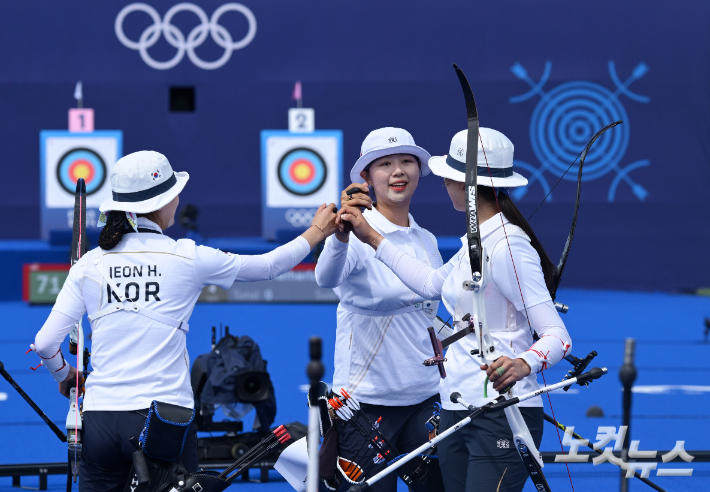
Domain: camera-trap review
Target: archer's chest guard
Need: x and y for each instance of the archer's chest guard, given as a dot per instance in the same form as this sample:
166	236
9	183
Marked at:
501	315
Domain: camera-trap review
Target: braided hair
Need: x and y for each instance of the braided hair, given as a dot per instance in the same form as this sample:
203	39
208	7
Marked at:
116	226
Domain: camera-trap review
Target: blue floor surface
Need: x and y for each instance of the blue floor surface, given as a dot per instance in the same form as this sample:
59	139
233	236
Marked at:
670	402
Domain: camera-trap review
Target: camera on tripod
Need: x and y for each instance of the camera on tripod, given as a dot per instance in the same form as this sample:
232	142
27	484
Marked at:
233	374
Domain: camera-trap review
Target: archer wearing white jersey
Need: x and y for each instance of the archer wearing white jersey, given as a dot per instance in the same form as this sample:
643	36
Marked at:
482	455
381	334
139	288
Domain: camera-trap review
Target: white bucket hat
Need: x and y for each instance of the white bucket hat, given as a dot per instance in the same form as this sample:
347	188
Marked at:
143	182
498	153
388	141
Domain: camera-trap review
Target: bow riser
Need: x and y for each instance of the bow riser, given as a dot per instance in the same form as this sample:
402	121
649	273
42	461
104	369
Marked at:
487	349
479	270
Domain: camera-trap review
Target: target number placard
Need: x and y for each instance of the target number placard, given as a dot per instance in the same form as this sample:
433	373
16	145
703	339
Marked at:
81	120
299	173
301	120
64	158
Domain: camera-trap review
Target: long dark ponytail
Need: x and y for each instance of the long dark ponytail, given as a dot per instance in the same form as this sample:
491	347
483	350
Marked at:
514	216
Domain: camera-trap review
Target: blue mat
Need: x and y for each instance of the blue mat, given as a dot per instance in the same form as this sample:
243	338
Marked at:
670	400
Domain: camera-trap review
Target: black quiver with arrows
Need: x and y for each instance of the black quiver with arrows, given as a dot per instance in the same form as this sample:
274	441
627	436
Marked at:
421	474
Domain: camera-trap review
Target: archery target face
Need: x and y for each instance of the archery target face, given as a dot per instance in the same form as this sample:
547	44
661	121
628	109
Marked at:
81	163
301	171
68	158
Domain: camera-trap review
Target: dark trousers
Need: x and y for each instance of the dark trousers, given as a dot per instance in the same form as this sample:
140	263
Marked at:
477	456
106	455
403	427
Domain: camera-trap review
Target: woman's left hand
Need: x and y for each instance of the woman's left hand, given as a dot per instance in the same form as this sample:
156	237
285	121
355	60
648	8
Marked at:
514	371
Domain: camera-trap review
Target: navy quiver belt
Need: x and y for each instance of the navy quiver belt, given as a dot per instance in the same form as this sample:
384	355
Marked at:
165	430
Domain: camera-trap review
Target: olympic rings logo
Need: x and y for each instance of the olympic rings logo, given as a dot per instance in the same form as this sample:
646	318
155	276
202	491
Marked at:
176	38
299	217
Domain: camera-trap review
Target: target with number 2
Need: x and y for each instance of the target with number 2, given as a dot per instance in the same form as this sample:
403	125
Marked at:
299	172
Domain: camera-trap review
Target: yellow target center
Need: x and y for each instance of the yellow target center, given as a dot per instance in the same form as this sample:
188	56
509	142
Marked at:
302	172
82	171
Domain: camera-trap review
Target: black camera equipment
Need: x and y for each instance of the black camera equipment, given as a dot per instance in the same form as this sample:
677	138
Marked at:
234	372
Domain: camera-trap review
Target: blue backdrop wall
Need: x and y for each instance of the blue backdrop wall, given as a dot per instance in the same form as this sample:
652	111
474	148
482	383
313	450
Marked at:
547	74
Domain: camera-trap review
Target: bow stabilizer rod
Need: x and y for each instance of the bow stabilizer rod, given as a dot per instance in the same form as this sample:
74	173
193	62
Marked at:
495	405
62	437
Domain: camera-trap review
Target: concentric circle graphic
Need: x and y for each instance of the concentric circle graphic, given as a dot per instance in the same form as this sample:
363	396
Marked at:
81	163
564	121
302	171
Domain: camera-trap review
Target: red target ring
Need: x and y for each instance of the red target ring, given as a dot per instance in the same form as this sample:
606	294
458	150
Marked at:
302	171
81	168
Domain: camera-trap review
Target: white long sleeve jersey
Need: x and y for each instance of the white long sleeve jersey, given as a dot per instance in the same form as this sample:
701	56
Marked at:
381	338
136	359
506	303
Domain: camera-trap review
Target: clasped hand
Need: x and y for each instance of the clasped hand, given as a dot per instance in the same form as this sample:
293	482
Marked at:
350	213
325	219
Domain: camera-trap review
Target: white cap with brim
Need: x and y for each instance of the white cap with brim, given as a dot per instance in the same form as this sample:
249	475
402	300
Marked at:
495	160
388	141
143	182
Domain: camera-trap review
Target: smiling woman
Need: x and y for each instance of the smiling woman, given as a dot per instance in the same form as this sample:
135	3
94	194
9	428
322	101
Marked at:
394	178
382	335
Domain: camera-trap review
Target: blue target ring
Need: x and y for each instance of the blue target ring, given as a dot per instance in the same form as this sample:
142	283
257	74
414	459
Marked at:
564	121
81	163
302	171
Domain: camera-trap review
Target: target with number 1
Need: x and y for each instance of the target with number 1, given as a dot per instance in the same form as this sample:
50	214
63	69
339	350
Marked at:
65	157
